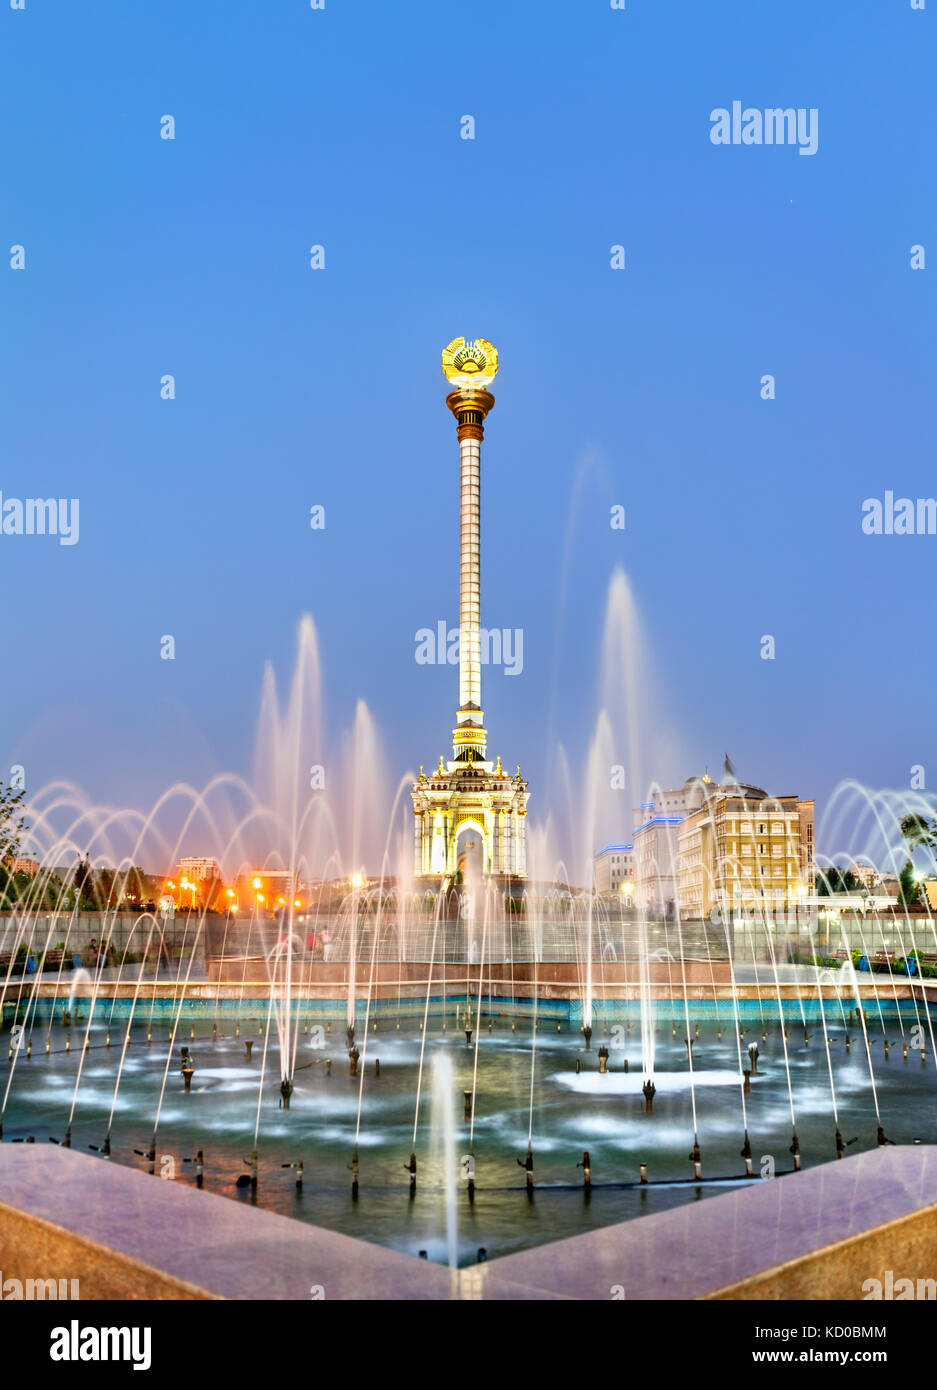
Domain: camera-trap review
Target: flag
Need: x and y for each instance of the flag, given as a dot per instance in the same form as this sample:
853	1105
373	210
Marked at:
730	770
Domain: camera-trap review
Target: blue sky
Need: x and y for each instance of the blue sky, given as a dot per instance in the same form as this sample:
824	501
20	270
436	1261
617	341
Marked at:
295	387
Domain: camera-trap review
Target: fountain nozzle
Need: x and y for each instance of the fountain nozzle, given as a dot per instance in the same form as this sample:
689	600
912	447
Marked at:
298	1169
353	1169
187	1073
649	1090
249	1047
585	1163
603	1060
795	1150
587	1034
527	1163
411	1169
840	1144
468	1037
746	1152
753	1054
695	1158
286	1090
353	1056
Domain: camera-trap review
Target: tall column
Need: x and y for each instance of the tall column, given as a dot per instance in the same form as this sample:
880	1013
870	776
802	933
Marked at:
470	673
470	406
470	366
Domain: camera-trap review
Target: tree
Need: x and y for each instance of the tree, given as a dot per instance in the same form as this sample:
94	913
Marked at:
909	888
12	821
835	880
918	830
84	883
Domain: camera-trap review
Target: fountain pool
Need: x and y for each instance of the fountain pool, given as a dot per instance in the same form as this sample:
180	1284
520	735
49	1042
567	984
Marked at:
525	1084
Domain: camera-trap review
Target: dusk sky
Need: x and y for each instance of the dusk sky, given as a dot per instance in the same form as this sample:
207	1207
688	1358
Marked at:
639	387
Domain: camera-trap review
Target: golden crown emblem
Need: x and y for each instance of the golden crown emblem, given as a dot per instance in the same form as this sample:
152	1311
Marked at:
470	362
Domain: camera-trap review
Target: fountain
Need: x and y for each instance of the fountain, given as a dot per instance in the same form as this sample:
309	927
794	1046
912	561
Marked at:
517	946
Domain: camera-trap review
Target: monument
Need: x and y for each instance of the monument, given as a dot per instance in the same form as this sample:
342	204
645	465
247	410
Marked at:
469	792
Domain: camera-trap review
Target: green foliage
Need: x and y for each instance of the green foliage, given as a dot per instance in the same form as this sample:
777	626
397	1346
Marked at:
909	889
836	881
918	830
12	820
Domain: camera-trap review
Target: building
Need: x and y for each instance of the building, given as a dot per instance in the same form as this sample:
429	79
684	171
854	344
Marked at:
24	866
197	869
743	849
469	795
613	870
656	853
868	876
267	889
